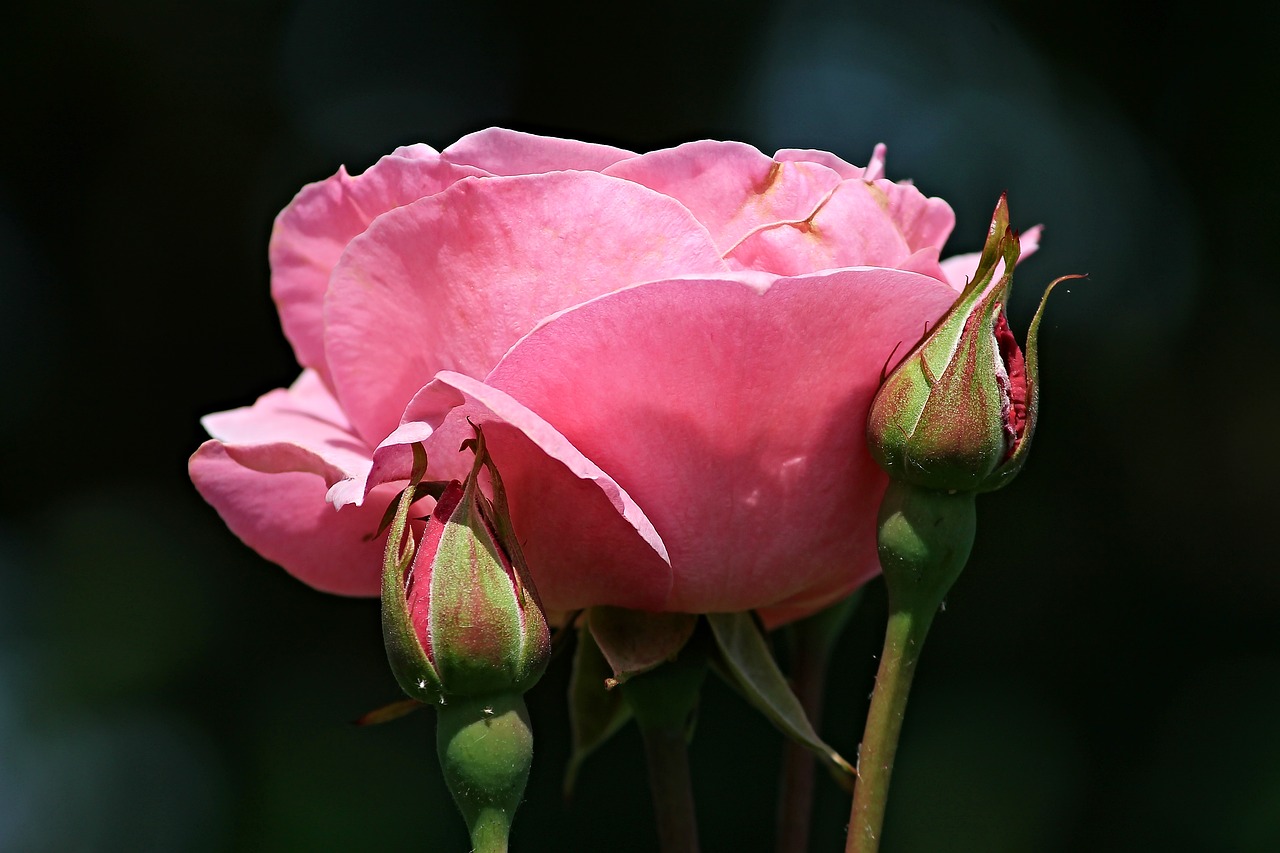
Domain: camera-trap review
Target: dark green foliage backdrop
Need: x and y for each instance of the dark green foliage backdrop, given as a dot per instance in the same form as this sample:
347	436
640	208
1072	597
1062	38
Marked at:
1106	674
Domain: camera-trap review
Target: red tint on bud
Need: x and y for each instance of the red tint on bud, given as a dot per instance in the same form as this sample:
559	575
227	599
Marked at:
1015	419
460	614
958	413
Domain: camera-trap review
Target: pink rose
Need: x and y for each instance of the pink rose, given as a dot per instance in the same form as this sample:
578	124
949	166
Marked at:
673	355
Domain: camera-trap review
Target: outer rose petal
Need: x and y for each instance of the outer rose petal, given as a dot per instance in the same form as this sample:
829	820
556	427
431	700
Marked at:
734	417
874	169
311	233
452	281
301	429
554	491
861	224
731	187
284	517
510	152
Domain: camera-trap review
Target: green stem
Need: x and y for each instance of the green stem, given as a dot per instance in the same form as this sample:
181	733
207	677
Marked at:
903	641
924	540
663	701
490	831
485	747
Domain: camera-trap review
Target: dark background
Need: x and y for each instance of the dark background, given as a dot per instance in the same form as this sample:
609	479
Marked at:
1106	676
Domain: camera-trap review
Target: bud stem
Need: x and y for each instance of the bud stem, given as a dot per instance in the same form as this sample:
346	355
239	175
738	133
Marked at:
486	747
663	701
924	537
667	756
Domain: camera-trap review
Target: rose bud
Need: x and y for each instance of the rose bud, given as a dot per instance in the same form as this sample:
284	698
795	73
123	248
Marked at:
465	631
464	620
958	413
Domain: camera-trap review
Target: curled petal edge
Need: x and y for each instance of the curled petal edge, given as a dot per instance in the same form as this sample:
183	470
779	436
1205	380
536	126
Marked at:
427	420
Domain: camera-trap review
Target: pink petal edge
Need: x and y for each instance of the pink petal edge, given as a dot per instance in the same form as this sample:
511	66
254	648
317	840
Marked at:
511	152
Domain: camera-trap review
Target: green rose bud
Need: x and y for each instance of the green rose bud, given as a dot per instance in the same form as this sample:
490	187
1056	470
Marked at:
958	413
460	615
465	632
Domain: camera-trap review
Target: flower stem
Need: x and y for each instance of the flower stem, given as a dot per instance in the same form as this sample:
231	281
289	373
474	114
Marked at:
672	788
663	701
924	539
485	748
490	831
812	641
903	641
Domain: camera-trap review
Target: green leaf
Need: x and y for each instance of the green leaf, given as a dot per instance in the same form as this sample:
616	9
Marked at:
748	665
596	713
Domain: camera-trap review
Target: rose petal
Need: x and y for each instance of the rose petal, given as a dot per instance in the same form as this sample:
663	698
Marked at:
510	152
300	429
284	517
861	224
452	281
311	233
554	492
731	187
875	169
734	416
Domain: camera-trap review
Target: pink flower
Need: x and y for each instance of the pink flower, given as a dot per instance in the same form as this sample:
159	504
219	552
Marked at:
672	354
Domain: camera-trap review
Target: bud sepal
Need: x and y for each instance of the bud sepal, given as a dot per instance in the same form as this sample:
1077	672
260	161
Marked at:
959	411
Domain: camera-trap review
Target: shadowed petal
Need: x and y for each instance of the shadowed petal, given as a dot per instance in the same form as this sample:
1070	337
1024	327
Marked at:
584	538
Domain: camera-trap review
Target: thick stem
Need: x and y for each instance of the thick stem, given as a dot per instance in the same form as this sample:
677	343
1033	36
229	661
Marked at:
490	831
672	788
903	641
485	747
663	701
924	542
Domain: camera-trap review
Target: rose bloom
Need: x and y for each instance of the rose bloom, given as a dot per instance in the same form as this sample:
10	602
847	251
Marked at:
672	356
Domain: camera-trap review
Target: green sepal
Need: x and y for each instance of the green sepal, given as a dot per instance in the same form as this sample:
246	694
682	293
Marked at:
748	665
488	632
596	712
431	488
665	697
413	670
938	419
1006	472
635	641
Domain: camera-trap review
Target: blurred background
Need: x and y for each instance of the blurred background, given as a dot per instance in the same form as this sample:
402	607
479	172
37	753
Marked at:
1106	676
